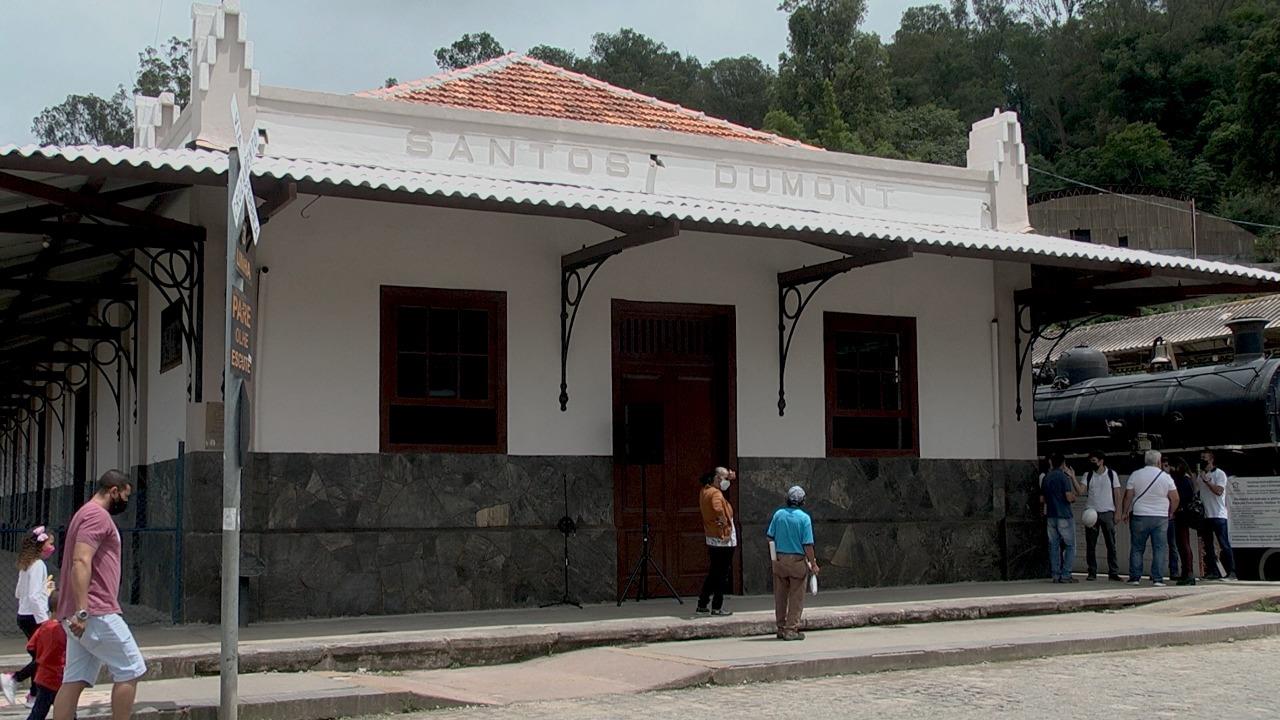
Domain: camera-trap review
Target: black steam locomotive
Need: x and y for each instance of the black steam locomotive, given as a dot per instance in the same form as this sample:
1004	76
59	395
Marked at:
1231	408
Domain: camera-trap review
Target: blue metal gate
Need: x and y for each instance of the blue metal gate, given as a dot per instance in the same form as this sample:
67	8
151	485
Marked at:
151	542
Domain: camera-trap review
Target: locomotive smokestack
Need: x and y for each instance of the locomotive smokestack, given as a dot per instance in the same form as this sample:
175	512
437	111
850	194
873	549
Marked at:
1248	335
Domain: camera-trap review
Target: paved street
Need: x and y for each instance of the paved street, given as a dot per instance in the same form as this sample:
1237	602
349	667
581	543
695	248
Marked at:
1229	680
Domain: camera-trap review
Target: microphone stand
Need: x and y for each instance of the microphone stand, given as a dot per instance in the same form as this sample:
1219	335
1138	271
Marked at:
567	527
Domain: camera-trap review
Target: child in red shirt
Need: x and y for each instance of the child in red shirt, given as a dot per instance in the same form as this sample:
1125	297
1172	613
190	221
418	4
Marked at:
48	644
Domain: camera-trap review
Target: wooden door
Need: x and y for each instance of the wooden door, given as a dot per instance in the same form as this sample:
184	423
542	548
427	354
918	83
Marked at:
673	420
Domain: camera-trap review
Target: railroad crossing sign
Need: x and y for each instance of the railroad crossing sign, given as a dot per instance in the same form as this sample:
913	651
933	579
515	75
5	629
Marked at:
242	202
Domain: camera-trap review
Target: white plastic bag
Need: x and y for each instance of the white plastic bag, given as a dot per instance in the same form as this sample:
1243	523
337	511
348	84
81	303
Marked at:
773	551
813	584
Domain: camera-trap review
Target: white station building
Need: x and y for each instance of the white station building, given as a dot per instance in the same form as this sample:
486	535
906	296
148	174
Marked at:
477	290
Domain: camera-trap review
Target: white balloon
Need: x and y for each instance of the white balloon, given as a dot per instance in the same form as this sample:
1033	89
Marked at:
1090	517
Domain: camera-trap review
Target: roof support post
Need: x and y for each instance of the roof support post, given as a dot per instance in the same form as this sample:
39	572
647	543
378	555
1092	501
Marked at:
793	298
573	283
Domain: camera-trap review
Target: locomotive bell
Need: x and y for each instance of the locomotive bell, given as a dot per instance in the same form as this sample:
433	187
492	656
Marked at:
1161	359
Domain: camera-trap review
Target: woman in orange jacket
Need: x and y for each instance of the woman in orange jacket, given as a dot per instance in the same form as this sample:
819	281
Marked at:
722	538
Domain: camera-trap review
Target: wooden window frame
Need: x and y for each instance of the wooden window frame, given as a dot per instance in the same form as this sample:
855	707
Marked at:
905	329
394	297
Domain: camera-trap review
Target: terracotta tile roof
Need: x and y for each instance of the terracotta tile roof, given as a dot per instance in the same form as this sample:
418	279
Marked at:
527	86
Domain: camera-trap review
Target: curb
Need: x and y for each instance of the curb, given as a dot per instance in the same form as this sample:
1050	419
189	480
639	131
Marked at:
435	649
952	657
295	706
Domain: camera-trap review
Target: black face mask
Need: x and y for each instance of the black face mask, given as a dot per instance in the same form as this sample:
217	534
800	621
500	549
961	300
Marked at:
117	505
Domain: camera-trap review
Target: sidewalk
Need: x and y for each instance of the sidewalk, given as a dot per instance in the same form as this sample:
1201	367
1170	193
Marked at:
634	668
415	642
158	635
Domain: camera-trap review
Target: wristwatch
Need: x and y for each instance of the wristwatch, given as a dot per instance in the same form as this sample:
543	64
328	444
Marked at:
82	615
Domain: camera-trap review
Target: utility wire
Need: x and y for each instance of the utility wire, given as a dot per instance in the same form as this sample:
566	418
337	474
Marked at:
159	14
1144	201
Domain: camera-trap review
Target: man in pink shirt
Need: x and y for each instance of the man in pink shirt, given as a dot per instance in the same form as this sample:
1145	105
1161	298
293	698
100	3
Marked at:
88	608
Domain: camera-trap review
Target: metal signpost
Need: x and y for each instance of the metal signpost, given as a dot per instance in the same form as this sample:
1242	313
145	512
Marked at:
236	370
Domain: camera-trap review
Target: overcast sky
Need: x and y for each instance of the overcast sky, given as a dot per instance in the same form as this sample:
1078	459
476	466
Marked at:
52	48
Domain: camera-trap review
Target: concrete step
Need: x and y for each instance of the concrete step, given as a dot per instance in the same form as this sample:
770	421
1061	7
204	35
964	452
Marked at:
262	697
1224	597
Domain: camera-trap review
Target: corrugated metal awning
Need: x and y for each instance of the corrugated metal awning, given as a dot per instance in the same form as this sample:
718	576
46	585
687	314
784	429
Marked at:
207	167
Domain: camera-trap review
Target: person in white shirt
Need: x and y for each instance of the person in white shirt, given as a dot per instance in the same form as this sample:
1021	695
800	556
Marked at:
1150	498
1103	493
1211	481
32	592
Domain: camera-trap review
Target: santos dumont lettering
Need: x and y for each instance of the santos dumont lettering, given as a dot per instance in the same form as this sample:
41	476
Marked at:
501	152
719	177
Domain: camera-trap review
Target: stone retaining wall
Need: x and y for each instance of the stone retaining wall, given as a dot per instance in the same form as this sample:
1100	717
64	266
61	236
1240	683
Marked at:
368	534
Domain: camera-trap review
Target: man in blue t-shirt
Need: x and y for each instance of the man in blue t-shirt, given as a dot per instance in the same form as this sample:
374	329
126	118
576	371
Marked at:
1058	491
791	532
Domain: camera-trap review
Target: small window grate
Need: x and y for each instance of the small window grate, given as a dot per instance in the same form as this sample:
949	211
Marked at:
671	337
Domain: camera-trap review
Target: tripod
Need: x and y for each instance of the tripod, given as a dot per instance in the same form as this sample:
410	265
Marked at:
567	527
646	558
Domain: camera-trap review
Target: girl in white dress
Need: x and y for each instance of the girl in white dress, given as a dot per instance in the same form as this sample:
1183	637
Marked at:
32	591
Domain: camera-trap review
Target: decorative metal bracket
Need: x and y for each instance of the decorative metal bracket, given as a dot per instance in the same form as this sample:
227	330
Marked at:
572	287
1027	324
178	274
573	283
793	298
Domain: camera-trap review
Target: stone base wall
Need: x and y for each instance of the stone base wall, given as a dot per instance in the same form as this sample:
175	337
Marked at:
368	534
900	521
374	534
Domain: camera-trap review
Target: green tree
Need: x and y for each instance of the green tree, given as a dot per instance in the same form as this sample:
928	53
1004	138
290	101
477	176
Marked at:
555	56
167	69
737	89
1259	94
829	127
1137	155
637	62
86	120
928	133
1256	205
468	50
97	120
781	123
821	36
834	71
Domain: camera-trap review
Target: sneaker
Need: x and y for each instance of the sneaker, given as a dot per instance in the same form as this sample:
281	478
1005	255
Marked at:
702	610
10	688
1114	576
782	636
1157	583
1070	580
1091	576
722	613
31	700
1231	577
1187	581
1135	582
794	636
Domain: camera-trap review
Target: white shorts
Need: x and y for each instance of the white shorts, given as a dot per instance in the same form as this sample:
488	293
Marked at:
106	641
